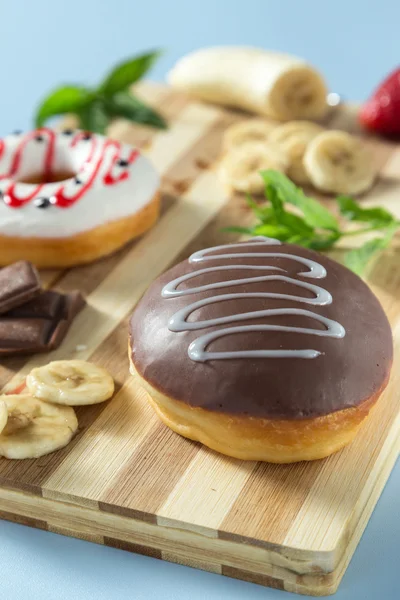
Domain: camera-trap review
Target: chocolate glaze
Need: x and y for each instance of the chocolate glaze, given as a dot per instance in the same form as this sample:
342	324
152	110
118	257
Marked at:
347	372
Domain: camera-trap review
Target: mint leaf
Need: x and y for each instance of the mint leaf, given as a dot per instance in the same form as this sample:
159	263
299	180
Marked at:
295	223
232	229
299	240
315	242
127	73
350	209
123	104
315	215
278	232
317	229
94	108
65	99
324	242
276	202
262	211
93	117
357	259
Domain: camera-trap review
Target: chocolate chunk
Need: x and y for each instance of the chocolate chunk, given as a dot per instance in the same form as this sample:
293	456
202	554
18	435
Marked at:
47	305
19	283
40	325
72	304
23	334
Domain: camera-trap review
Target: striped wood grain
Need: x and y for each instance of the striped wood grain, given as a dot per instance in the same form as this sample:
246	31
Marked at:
129	482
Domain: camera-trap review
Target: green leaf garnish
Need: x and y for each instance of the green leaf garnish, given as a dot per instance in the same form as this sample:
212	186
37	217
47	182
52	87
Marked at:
65	99
123	104
94	117
324	242
127	73
315	215
313	226
261	211
245	230
357	259
275	231
354	212
94	108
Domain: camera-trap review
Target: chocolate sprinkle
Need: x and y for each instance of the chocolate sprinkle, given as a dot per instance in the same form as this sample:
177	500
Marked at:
122	162
42	202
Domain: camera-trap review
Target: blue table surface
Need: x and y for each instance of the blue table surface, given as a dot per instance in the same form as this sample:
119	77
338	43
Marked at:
45	43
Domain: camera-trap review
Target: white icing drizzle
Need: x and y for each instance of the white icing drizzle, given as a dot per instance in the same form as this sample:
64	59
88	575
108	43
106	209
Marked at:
197	349
316	271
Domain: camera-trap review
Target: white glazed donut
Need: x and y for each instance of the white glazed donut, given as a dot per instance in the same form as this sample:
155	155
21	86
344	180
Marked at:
74	194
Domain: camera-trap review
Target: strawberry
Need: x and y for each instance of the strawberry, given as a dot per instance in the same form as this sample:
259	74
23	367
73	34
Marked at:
381	113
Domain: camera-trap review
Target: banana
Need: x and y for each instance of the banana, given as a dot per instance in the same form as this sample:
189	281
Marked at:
240	167
336	162
35	428
252	130
275	85
293	138
71	382
3	415
302	130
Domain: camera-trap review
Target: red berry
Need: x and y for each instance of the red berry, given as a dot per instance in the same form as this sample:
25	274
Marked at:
381	113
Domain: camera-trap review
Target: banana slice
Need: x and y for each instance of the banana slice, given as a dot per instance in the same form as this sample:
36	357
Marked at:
3	415
303	130
252	130
293	138
240	168
71	382
336	162
35	428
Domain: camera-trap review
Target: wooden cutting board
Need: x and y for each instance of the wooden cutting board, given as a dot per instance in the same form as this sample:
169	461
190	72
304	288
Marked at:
126	480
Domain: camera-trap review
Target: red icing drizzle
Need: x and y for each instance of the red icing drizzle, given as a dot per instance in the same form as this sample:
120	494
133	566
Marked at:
10	197
59	197
65	201
110	179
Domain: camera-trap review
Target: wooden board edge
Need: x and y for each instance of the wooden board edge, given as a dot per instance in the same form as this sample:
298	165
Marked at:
374	485
365	515
84	520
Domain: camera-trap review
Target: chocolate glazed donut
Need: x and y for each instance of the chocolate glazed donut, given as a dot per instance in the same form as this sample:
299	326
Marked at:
262	350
